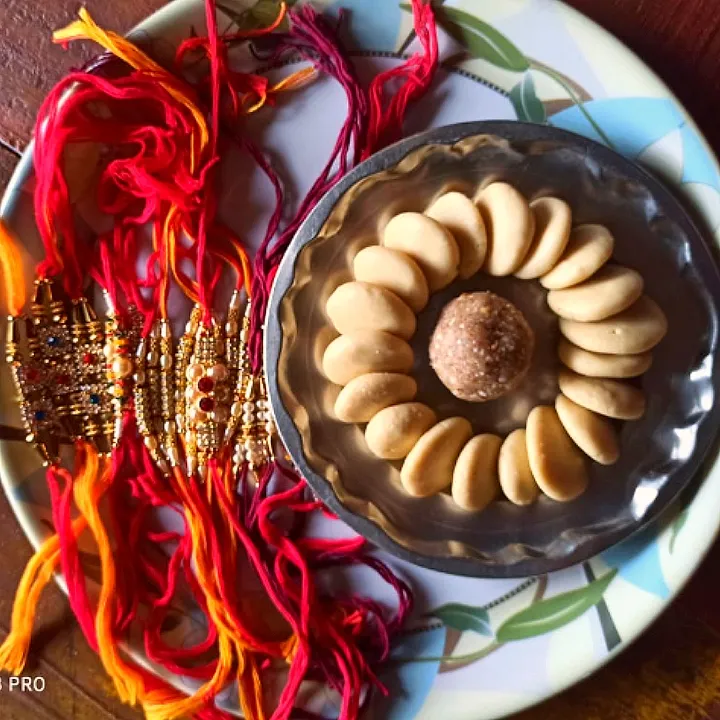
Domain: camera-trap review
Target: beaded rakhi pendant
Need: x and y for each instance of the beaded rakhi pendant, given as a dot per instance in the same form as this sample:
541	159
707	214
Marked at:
205	407
215	403
122	334
154	394
250	426
57	363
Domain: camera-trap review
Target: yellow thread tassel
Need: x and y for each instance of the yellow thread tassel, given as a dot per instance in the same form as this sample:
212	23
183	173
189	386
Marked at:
86	29
251	690
92	478
11	271
299	79
226	657
38	573
160	709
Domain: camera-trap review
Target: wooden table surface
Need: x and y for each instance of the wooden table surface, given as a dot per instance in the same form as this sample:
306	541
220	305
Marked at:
671	673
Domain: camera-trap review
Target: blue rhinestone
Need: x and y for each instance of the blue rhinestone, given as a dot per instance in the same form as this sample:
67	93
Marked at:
94	399
40	415
53	341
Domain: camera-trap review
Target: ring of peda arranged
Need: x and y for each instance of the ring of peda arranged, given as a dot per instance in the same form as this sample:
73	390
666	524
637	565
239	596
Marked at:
482	346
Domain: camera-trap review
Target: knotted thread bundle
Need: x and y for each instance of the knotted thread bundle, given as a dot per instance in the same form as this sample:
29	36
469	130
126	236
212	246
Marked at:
160	138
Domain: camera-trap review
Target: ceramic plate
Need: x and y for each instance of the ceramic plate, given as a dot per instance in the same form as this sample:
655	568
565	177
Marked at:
659	453
537	61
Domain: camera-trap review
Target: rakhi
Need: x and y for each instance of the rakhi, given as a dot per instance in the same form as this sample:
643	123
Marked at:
191	403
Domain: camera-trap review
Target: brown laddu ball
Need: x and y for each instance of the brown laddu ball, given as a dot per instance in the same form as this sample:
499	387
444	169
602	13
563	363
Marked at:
481	347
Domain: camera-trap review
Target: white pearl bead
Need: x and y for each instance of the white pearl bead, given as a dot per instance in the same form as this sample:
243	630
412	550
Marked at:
217	372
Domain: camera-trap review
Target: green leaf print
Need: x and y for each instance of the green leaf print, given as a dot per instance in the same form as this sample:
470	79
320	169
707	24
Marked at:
262	14
555	612
481	40
528	106
464	617
676	527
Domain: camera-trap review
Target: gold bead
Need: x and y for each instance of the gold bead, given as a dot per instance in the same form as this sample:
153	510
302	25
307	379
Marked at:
122	367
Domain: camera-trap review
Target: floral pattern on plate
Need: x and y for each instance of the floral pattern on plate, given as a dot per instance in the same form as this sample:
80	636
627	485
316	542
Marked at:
482	649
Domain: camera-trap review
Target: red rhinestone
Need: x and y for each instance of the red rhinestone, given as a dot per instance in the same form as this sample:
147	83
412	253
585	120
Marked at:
32	375
89	358
206	404
205	384
122	350
62	379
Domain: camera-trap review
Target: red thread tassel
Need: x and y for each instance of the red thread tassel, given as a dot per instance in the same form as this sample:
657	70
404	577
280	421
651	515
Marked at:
415	76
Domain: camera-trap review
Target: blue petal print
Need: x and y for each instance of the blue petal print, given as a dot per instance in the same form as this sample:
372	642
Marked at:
698	167
409	683
632	124
373	24
638	562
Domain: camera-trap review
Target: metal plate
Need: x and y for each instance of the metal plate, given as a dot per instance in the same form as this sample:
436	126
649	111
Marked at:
659	453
